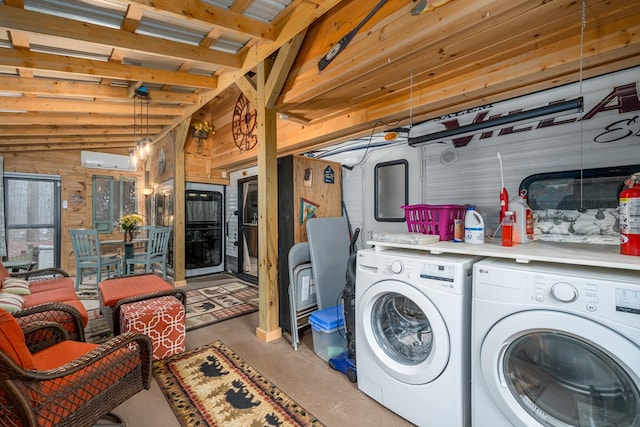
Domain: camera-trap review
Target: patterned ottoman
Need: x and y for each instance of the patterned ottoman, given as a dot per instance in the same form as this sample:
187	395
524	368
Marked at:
161	319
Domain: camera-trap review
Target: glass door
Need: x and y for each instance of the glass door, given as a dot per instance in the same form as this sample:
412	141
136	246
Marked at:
32	221
204	240
248	229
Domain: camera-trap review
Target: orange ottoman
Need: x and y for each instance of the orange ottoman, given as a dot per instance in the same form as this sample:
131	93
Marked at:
116	292
161	319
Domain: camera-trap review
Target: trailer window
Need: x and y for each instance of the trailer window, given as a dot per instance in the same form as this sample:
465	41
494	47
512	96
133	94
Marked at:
391	190
577	206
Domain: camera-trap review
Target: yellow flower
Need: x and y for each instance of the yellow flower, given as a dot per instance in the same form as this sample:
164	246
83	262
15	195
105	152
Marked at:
129	222
203	126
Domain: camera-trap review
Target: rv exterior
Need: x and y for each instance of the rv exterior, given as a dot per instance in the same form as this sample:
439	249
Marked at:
601	141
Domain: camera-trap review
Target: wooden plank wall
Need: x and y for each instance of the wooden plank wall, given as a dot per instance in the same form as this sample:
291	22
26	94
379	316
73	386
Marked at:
76	190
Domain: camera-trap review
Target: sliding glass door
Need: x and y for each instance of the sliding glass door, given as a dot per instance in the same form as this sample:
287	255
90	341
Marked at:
32	220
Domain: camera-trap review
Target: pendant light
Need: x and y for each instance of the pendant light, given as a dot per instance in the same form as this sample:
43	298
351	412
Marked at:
142	141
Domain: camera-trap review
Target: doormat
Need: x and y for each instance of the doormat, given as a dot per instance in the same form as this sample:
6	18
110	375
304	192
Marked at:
212	304
205	306
212	386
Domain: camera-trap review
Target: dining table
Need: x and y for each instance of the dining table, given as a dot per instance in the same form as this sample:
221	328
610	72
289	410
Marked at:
129	248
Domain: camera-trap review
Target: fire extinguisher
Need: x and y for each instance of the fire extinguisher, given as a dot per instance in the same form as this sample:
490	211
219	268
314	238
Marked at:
630	216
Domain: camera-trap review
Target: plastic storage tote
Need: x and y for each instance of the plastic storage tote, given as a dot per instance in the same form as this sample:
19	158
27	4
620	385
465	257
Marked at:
328	332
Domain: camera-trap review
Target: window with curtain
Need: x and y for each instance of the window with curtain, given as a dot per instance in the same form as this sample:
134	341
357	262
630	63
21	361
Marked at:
112	198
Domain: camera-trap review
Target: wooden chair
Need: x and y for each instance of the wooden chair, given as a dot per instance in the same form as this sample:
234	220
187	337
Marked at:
46	379
156	253
86	248
142	232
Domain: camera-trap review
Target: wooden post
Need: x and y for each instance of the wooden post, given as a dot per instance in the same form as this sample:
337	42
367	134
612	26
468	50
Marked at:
268	327
180	136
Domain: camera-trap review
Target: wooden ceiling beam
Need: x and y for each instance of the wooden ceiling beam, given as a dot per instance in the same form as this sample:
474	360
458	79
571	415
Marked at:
52	130
77	119
132	18
248	88
41	86
15	3
12	18
68	139
281	67
19	39
207	13
110	146
44	104
65	64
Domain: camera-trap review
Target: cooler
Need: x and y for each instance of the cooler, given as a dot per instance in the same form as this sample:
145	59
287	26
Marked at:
329	338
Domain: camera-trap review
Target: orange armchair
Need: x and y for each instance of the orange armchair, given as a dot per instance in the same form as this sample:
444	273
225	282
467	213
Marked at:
48	380
52	298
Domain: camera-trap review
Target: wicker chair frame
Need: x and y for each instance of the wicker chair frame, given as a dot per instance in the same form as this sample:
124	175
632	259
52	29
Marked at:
78	393
42	274
66	315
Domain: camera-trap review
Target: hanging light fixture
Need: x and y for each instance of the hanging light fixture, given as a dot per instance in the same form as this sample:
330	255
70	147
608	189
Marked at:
133	158
142	141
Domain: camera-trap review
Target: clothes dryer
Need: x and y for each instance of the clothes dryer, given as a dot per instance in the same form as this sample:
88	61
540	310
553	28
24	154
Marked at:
413	333
555	345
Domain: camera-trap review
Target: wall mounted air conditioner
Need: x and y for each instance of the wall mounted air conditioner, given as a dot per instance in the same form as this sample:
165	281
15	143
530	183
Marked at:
96	160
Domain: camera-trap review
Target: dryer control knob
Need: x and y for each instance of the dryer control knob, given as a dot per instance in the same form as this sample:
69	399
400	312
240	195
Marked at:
564	292
397	267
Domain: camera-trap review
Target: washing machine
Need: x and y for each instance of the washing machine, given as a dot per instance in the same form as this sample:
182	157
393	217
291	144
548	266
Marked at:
413	334
555	345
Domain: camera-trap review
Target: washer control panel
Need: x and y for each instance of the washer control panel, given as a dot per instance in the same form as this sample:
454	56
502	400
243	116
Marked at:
414	269
446	276
591	291
553	290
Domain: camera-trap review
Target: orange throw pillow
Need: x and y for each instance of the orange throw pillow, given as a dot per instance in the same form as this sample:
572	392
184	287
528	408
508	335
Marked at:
12	341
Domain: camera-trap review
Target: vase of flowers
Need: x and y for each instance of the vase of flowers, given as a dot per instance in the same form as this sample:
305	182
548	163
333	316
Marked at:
201	130
128	224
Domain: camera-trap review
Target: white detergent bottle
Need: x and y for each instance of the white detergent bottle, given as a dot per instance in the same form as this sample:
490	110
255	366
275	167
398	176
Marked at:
524	223
473	227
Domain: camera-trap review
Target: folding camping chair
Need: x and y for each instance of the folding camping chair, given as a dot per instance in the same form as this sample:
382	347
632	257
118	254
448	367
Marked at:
302	289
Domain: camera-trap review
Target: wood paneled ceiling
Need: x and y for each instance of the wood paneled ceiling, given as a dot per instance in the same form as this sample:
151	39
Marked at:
68	69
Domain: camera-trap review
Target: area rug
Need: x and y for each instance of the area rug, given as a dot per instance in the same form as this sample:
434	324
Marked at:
97	330
88	292
205	306
212	386
209	305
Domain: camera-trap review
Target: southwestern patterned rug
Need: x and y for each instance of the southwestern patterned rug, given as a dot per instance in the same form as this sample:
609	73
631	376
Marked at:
205	306
212	304
212	386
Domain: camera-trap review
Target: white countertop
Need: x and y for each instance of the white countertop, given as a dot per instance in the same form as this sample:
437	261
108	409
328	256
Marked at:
564	253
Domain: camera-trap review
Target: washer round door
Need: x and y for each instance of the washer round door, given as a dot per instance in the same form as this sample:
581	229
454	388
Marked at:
554	369
404	332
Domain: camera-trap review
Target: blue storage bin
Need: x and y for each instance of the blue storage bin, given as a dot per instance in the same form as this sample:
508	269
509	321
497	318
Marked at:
329	339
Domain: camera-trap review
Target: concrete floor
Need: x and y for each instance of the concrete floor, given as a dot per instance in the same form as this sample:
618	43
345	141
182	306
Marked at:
301	374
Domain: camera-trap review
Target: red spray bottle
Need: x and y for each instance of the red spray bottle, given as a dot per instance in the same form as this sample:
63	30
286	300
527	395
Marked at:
504	196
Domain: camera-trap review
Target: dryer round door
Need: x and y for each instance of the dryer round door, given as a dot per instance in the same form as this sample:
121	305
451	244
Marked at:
546	368
403	331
